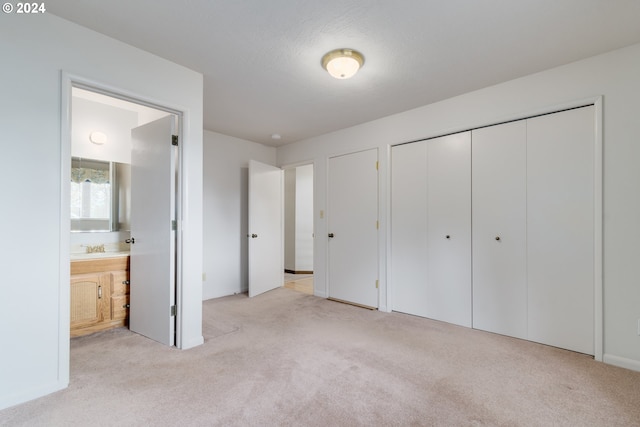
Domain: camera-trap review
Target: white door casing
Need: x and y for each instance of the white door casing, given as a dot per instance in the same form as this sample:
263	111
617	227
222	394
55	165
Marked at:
153	248
266	233
353	223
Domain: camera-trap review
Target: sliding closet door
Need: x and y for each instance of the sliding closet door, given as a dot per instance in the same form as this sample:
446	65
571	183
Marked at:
449	229
409	228
499	229
560	229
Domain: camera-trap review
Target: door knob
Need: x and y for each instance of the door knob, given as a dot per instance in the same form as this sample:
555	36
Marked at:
497	237
447	236
331	235
125	282
126	306
253	236
131	240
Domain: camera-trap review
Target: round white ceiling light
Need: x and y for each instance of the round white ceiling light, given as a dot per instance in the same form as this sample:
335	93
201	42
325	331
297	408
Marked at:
342	63
98	138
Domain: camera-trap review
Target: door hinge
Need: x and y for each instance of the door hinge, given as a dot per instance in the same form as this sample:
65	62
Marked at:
174	139
377	225
377	165
174	225
173	310
377	284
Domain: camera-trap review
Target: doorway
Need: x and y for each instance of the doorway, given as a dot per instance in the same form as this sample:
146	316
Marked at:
101	133
298	228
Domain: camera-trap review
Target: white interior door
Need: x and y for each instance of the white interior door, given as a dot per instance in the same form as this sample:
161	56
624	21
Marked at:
153	257
409	265
353	228
560	229
499	229
449	229
266	237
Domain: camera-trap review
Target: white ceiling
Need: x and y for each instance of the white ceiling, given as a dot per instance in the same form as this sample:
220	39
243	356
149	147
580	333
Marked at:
261	58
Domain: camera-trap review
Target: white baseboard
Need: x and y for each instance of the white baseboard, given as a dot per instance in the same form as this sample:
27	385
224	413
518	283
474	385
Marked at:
621	362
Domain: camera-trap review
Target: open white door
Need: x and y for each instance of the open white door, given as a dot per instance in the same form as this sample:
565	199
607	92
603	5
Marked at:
153	257
266	251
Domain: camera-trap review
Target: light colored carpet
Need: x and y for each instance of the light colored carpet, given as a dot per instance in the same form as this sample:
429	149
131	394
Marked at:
289	359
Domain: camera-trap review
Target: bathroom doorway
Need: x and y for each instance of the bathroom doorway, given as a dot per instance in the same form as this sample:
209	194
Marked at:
111	157
299	228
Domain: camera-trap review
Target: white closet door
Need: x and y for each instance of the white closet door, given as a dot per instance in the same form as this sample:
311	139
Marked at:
560	227
499	229
409	228
449	229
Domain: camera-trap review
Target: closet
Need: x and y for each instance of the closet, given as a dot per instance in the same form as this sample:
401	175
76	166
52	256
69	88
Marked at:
431	228
523	222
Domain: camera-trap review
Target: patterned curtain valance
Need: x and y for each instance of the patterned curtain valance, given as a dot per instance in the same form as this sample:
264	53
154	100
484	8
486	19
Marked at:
89	170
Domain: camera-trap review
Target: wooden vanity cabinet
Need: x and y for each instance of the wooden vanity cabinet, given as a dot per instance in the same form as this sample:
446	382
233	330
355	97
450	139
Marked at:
99	294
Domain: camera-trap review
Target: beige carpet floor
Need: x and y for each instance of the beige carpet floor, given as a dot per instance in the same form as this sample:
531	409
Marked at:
289	359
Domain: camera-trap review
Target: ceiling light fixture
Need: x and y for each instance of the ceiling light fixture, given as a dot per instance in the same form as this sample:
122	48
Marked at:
98	138
342	63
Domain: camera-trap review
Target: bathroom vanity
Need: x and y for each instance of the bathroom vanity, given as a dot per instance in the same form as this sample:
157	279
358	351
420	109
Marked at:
99	292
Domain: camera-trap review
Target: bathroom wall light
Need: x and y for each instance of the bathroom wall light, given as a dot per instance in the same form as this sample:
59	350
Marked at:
97	137
342	63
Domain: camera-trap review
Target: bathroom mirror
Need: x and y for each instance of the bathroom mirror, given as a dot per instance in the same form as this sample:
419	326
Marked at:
100	195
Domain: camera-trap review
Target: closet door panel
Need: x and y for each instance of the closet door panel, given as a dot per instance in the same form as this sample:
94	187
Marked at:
560	227
499	229
409	228
449	229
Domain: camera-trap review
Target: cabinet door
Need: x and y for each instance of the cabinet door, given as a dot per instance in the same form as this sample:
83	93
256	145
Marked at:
560	229
499	229
89	299
449	229
409	228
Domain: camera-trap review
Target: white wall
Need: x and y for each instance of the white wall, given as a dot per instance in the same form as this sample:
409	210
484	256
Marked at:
35	51
613	75
88	116
226	180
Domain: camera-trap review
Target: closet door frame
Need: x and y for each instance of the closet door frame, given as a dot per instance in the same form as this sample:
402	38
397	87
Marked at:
596	101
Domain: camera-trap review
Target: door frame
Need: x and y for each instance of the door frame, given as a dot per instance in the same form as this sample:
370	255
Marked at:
68	81
315	220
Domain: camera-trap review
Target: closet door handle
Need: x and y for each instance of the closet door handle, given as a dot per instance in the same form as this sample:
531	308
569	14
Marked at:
331	235
99	292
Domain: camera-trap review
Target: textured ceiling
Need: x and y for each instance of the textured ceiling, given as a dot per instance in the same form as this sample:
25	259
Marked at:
261	58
